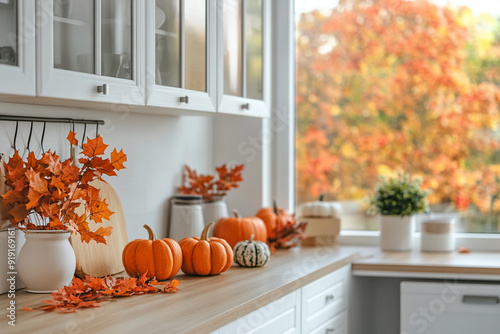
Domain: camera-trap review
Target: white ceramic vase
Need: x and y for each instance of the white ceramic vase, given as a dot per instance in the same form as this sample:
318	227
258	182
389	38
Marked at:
396	233
214	210
46	261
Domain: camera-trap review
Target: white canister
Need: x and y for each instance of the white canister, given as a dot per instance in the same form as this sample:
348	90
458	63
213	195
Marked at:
438	235
214	210
186	217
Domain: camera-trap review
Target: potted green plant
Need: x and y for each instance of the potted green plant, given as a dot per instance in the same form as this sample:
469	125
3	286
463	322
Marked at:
397	200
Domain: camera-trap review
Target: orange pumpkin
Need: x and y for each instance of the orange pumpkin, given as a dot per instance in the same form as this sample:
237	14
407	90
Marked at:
203	256
160	258
276	220
236	229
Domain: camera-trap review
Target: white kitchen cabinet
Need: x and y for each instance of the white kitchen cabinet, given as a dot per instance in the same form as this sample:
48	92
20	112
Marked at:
17	47
323	300
91	50
244	57
336	325
449	307
319	307
280	316
181	54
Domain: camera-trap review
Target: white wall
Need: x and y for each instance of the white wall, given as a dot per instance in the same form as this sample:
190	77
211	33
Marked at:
157	148
243	140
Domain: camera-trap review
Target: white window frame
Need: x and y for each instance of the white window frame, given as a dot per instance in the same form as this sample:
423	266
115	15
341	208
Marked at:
283	107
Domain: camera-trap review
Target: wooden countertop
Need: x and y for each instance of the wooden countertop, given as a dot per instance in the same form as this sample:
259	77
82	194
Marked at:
473	265
202	305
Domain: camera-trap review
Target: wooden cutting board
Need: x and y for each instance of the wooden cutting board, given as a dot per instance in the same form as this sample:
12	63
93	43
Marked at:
99	260
4	222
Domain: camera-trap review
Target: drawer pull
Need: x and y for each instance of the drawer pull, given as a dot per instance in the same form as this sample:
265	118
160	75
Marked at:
245	106
104	89
329	330
488	300
184	99
329	298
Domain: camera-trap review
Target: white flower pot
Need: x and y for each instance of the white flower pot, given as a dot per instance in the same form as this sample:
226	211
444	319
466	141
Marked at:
46	261
396	233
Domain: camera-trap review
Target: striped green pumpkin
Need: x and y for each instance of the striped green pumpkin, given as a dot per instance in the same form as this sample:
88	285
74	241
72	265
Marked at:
250	253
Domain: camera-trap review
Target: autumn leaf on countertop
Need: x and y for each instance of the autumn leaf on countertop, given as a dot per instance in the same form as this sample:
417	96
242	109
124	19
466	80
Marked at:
92	291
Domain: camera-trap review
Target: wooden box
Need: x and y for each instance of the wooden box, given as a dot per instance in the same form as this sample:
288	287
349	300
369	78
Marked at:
321	231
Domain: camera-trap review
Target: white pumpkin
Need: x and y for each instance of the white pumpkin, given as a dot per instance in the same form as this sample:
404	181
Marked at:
318	209
250	253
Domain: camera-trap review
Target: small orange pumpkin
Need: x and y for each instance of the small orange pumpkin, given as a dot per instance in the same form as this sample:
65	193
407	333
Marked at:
160	258
236	229
203	256
276	220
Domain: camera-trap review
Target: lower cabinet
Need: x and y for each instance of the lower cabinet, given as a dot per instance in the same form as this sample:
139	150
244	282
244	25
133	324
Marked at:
450	307
280	316
323	300
319	307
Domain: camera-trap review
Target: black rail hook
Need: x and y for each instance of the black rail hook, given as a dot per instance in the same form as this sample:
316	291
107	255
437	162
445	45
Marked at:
14	146
96	129
29	138
43	136
84	133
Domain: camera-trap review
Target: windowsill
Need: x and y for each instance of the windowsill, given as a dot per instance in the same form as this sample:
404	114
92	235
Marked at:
477	242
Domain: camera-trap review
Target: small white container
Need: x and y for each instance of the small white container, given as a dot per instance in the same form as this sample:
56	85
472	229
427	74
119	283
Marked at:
186	217
438	235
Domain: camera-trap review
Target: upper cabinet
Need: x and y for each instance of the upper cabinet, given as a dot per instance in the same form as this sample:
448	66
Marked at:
244	57
160	56
91	50
17	47
181	54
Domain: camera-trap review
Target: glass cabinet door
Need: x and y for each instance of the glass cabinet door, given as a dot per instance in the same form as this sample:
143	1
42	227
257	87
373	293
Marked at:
8	33
180	44
181	67
17	55
244	57
91	49
242	31
76	37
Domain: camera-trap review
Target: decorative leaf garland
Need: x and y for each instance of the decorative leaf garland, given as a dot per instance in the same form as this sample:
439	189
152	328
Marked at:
92	291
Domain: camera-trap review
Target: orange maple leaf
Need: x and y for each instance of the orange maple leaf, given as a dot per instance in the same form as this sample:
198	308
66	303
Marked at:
36	182
99	211
118	158
94	147
18	213
52	162
72	139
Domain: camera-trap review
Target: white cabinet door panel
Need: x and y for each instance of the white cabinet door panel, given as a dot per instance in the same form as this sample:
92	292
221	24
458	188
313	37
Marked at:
448	307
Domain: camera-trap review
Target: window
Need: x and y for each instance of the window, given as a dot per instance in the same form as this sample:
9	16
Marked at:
392	84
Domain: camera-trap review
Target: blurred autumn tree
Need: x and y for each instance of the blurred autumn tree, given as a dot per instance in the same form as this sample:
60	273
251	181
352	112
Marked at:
388	84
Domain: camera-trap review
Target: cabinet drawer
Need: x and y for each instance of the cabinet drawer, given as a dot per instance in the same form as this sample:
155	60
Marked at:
336	325
280	316
324	298
448	307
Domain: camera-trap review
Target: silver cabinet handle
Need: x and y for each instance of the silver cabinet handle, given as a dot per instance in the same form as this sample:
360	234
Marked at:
329	330
184	99
329	298
488	300
245	106
104	89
